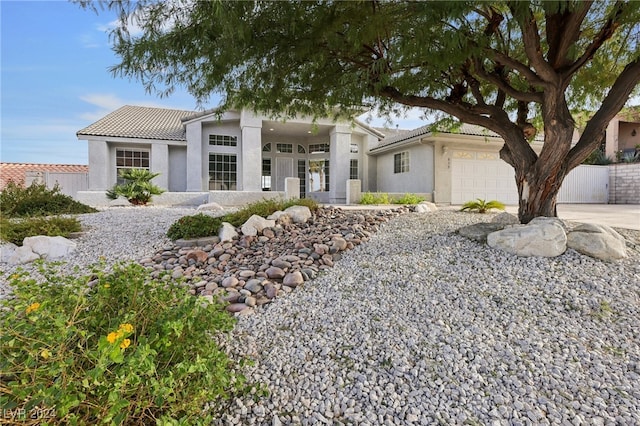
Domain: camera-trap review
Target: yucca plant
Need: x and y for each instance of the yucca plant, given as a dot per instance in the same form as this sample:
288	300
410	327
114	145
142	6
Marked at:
137	186
482	206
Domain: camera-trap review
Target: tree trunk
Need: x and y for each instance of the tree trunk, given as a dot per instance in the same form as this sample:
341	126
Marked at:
538	195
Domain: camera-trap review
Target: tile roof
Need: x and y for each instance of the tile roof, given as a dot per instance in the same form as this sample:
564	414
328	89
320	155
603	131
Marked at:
141	123
16	171
464	129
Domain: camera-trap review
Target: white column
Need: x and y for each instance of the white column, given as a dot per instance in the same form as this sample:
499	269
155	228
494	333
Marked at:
100	163
160	164
196	180
250	161
340	141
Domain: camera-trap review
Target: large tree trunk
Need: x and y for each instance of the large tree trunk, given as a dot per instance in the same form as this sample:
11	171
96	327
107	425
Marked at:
538	193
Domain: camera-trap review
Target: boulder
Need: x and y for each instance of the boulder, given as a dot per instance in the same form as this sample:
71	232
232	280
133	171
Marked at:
506	219
543	237
256	224
50	248
599	241
227	232
6	251
210	207
120	202
479	231
23	255
299	214
200	256
425	207
293	279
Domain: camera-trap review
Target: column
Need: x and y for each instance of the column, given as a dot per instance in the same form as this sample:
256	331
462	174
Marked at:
196	180
100	163
250	161
160	164
339	145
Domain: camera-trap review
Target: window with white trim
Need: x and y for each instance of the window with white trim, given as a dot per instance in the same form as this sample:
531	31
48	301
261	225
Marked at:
401	162
223	172
353	169
318	148
223	140
130	159
284	148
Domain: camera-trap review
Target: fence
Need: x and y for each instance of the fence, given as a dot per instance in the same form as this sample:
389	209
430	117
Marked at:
69	183
624	183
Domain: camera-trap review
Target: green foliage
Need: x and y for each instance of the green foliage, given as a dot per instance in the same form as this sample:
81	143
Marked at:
38	200
198	225
15	231
482	206
201	225
371	198
124	350
597	157
137	186
408	199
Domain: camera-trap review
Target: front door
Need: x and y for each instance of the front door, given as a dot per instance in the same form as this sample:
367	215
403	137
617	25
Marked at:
284	169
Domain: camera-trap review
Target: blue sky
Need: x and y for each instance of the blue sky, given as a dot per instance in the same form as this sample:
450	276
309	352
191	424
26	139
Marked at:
55	81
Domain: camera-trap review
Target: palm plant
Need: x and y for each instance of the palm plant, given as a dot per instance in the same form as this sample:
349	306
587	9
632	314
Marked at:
482	206
137	186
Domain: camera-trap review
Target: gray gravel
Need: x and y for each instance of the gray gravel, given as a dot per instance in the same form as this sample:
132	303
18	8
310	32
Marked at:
422	326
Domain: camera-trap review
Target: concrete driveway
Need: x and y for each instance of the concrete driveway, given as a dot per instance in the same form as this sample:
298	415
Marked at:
616	215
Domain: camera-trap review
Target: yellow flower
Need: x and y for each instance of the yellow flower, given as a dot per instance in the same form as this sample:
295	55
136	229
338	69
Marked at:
46	353
33	307
112	337
125	344
107	285
126	327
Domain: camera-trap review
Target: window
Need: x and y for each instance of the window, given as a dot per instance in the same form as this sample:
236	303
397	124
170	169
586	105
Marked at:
222	172
301	150
130	159
266	174
354	148
302	175
353	169
318	148
401	162
318	175
223	140
285	148
266	148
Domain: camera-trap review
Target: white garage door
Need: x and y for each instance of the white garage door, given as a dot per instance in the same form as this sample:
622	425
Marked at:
484	175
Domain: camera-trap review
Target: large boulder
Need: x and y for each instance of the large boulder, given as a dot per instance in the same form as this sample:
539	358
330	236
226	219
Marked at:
506	219
479	231
50	248
210	207
227	232
256	224
599	241
6	251
543	237
22	255
425	207
299	214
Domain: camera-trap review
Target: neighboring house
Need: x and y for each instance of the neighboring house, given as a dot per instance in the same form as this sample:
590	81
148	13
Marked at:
209	154
71	178
622	141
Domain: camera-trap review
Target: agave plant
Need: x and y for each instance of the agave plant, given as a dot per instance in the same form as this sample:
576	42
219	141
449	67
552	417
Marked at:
137	186
482	206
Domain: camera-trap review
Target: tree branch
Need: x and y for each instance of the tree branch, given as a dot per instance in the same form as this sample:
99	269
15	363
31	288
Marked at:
526	72
503	85
563	29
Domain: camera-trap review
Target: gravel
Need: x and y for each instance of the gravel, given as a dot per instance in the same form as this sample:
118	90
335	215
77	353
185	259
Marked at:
422	326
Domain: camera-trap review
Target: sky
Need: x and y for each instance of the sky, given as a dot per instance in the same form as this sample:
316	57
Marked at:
55	81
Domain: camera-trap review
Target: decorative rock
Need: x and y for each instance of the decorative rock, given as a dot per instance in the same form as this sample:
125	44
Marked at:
293	279
339	243
275	273
237	307
425	207
254	286
280	263
270	290
6	251
280	217
268	233
22	255
227	232
50	248
479	231
210	207
120	202
256	224
542	237
599	241
506	219
299	214
197	255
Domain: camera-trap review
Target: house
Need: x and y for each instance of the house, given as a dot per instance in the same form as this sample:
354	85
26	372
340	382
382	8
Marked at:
622	140
71	178
238	156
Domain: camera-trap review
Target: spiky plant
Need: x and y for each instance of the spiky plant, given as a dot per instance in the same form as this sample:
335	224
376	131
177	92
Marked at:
137	186
482	206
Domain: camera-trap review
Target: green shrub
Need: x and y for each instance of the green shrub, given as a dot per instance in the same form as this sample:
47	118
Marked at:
199	225
38	200
128	350
369	198
308	202
482	206
137	187
14	231
597	157
408	199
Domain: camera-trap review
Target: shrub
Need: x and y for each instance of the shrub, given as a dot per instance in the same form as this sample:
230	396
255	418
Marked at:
128	350
38	200
409	199
199	225
137	187
369	198
15	231
482	206
598	157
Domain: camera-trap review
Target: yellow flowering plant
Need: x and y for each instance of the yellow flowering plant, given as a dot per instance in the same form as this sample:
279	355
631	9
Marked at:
126	349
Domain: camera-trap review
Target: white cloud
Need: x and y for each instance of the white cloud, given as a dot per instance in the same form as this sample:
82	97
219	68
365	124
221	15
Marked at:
411	118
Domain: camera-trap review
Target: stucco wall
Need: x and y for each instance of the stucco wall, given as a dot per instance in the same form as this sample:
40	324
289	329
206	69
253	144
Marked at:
419	178
624	183
177	168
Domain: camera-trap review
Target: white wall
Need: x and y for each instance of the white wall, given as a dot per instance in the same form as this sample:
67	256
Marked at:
177	168
419	179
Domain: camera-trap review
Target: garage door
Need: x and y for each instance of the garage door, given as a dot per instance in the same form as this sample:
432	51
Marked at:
476	174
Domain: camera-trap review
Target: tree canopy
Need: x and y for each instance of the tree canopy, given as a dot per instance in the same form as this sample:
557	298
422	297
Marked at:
514	67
